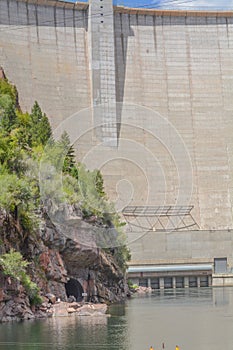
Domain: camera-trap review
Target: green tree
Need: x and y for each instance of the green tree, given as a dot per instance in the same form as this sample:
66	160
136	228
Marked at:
99	184
22	133
8	117
19	198
41	130
8	102
68	149
9	90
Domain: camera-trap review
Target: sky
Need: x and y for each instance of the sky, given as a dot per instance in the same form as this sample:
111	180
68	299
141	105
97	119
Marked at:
193	4
176	4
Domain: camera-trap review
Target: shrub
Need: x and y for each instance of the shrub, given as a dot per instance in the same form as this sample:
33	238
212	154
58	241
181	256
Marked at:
14	265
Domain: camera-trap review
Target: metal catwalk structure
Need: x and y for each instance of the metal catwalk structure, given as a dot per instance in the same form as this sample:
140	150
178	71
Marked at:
160	218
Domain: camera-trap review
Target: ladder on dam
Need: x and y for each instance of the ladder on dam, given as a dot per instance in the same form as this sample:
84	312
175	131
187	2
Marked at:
160	218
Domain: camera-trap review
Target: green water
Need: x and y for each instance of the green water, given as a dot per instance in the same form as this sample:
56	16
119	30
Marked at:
194	319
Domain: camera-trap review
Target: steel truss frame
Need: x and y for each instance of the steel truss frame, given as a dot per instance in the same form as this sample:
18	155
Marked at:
160	218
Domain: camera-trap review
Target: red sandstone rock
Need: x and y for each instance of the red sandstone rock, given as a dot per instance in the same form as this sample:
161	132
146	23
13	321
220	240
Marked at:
1	295
2	74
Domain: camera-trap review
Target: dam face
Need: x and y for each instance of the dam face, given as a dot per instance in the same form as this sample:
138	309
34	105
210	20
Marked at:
165	79
44	51
182	67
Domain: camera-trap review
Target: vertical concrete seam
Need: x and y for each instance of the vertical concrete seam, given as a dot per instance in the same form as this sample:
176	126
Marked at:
155	34
74	34
89	65
8	11
165	63
122	41
29	39
228	152
55	23
17	9
227	29
87	54
64	20
37	23
190	82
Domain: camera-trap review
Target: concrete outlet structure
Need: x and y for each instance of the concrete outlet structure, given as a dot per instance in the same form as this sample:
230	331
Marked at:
152	92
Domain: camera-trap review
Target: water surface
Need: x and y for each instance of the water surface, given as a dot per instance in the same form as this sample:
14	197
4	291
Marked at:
194	319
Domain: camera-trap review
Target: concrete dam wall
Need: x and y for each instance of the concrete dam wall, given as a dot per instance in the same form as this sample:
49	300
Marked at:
182	259
44	51
182	67
171	73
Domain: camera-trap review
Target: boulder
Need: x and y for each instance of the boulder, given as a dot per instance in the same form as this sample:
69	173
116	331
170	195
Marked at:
71	310
143	290
71	299
75	305
92	309
51	297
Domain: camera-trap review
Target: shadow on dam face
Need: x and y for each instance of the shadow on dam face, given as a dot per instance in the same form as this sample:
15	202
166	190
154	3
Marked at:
27	13
74	288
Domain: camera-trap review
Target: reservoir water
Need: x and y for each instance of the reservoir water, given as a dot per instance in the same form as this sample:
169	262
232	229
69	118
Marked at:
193	319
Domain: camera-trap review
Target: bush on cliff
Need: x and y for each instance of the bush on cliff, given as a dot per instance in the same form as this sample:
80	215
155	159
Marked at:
13	265
24	141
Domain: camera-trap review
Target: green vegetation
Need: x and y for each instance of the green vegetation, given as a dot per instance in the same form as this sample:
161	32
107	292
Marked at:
23	139
132	286
14	265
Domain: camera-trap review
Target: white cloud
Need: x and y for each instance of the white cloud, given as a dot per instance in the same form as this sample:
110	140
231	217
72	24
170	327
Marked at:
194	4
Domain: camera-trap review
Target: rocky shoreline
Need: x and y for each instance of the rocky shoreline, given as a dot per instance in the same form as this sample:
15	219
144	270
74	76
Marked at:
19	309
86	309
143	290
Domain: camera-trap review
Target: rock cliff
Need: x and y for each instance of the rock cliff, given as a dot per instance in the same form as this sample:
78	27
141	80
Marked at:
61	265
64	249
